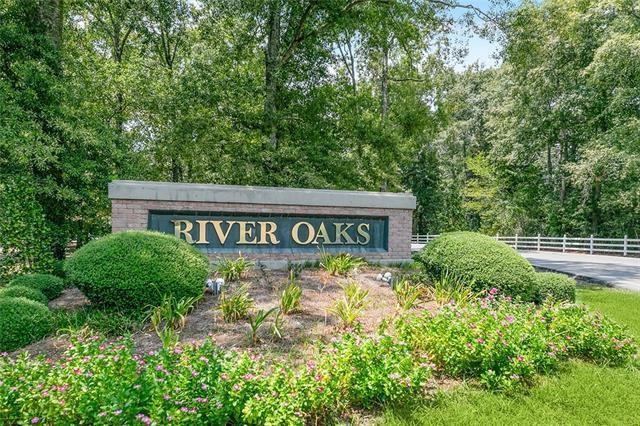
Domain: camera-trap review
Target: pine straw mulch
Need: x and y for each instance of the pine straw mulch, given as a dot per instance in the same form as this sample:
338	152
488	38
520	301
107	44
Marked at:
301	329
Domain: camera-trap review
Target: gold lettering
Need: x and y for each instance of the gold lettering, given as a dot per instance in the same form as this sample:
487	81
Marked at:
246	231
202	230
340	233
217	226
324	234
296	230
268	231
177	226
363	231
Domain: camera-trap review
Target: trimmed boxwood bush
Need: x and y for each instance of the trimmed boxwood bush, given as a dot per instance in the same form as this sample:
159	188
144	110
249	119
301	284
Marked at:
23	291
482	262
22	321
50	285
557	286
135	269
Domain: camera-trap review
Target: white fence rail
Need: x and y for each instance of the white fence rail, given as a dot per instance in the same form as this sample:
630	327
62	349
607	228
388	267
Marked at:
591	245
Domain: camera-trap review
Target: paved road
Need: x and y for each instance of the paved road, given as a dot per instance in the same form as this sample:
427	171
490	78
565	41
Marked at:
616	271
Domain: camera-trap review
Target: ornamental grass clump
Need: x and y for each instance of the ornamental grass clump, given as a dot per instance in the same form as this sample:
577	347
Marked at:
290	297
168	319
256	320
350	307
233	269
97	382
448	288
235	304
135	269
340	264
408	294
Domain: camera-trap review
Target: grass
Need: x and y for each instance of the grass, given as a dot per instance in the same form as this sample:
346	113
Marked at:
621	306
579	394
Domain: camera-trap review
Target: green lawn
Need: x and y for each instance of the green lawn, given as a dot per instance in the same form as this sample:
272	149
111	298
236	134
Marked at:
579	394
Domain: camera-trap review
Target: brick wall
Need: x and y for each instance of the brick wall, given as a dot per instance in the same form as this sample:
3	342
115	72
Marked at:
133	214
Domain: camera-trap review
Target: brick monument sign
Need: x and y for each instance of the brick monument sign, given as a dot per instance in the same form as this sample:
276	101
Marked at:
269	224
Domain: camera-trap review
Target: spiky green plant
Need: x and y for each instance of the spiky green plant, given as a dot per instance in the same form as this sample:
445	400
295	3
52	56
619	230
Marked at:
349	308
291	295
408	294
233	269
169	318
340	264
255	322
235	304
449	288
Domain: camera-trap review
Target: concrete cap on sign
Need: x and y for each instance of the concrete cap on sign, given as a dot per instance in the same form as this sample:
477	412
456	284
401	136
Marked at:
196	192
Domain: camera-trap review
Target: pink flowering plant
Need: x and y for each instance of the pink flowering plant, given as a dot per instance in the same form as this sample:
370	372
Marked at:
500	343
505	344
590	335
108	383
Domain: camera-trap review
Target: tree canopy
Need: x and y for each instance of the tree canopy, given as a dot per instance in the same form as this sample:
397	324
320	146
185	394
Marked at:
346	94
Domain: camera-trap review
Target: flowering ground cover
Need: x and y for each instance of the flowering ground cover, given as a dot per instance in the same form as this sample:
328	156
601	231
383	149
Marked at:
577	393
492	342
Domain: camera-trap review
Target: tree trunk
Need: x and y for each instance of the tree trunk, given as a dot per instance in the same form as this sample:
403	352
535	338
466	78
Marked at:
51	15
272	63
384	84
595	206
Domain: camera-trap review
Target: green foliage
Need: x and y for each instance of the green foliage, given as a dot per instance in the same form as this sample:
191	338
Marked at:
24	291
290	298
233	269
50	285
449	289
168	319
350	306
24	235
22	321
203	384
278	325
106	322
591	336
559	287
480	261
408	294
235	305
256	320
340	264
135	269
504	344
57	153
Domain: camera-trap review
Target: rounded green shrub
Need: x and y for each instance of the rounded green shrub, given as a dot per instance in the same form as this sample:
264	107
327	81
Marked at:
482	262
557	286
23	291
48	284
22	321
135	269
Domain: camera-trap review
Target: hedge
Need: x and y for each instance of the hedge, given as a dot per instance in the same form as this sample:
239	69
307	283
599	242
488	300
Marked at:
135	269
557	286
50	285
22	321
23	291
481	261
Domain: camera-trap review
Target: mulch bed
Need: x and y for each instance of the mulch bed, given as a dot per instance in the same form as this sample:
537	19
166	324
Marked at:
301	330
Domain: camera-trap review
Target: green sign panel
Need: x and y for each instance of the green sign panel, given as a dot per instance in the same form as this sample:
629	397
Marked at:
213	232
